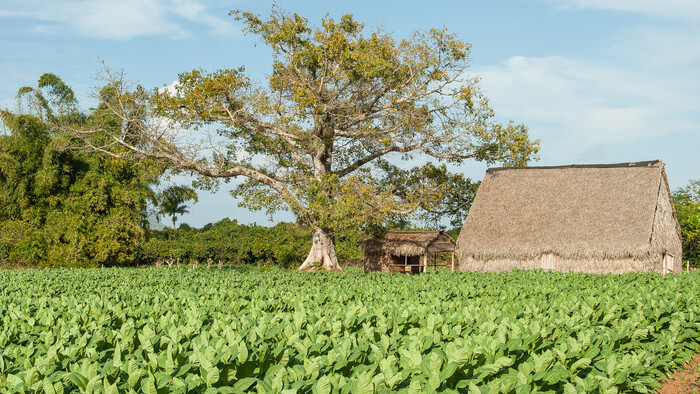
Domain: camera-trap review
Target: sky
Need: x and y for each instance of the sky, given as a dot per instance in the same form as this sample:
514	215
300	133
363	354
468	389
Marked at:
596	81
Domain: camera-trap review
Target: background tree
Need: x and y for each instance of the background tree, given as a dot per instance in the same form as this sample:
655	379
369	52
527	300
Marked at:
687	204
60	206
171	201
309	139
282	245
455	200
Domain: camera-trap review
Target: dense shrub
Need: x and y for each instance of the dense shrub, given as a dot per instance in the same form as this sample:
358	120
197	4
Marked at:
285	244
62	206
687	204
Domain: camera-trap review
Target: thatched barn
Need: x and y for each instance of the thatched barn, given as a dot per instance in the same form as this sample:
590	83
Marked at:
408	251
586	218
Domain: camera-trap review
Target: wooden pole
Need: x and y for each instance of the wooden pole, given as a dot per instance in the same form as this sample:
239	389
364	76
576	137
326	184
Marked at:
453	261
405	264
425	262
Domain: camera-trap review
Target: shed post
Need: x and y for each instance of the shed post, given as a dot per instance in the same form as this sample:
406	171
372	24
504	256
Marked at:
453	261
425	262
405	264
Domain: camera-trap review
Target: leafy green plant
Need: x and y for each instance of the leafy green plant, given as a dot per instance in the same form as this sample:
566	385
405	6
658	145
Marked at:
233	330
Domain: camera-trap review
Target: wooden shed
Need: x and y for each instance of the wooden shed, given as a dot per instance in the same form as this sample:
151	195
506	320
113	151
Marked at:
409	252
612	218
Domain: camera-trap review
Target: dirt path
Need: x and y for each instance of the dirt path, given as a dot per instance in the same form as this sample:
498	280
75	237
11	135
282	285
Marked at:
684	381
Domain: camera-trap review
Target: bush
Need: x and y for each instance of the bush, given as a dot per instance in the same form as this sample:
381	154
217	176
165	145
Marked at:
284	245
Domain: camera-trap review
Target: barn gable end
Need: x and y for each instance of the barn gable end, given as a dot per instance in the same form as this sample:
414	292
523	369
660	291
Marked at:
666	232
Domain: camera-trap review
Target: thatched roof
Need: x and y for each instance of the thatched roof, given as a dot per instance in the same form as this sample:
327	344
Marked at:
577	211
409	243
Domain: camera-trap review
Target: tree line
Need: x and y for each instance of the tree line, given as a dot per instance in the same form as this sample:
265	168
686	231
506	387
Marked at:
230	243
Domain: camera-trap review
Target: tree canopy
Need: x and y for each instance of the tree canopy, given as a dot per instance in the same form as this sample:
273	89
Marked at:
171	201
343	110
687	205
60	206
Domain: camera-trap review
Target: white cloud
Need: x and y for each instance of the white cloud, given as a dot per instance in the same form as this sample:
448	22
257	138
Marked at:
667	48
674	9
576	107
171	88
642	86
119	19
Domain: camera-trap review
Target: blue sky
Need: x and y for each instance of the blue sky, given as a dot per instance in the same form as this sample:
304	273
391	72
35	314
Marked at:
598	81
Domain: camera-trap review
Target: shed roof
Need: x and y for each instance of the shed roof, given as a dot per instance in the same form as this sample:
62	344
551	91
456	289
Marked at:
409	243
574	211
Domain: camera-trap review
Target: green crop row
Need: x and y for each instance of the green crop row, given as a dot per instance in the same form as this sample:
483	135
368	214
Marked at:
164	330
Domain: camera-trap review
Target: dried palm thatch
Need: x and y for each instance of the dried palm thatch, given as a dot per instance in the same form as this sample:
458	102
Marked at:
400	251
409	243
589	218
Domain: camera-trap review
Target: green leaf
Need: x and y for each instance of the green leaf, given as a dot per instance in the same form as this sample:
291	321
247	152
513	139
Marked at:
148	385
212	376
582	363
48	386
555	376
323	385
117	360
110	388
364	383
90	387
243	384
78	380
415	387
134	378
611	365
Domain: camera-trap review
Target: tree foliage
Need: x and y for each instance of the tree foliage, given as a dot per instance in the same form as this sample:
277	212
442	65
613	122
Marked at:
340	108
454	202
60	206
171	201
687	204
232	243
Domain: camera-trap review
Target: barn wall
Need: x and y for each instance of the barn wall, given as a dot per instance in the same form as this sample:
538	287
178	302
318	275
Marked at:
377	262
373	262
665	237
556	263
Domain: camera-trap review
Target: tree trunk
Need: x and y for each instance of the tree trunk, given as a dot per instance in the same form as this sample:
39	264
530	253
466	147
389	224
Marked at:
322	254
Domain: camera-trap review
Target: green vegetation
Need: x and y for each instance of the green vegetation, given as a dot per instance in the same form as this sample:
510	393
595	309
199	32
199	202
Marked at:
687	203
60	206
171	201
159	330
226	241
283	245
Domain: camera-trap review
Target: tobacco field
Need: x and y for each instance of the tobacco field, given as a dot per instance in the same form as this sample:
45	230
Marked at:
231	330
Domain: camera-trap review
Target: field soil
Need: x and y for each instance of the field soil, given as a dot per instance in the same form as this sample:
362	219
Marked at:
686	380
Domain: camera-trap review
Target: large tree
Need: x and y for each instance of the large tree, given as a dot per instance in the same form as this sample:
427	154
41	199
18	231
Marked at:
60	206
339	107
